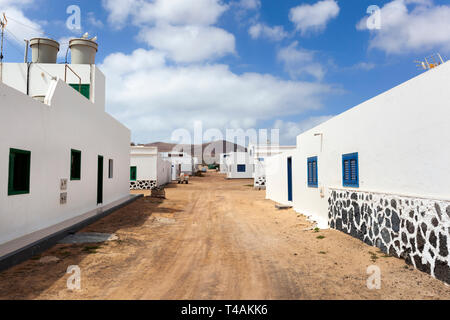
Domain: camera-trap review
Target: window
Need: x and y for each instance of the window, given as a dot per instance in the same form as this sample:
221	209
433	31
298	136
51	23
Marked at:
241	168
350	170
261	159
19	172
312	173
85	89
133	173
75	165
111	169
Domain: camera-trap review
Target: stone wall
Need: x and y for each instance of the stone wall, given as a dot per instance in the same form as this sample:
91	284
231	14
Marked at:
143	185
260	181
417	230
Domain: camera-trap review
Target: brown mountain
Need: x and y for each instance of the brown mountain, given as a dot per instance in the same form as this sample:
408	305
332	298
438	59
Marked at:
214	148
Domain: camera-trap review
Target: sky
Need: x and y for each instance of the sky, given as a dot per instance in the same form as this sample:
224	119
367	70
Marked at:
250	64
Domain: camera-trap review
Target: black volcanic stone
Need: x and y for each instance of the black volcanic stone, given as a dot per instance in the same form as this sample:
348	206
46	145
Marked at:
350	216
364	228
392	252
386	203
387	223
344	217
354	232
357	213
411	214
395	221
339	224
413	244
376	229
433	239
387	212
410	227
332	224
443	250
368	241
442	271
370	234
397	244
438	210
424	228
431	253
354	196
420	242
422	267
448	211
380	219
385	235
334	195
404	238
393	204
348	203
434	222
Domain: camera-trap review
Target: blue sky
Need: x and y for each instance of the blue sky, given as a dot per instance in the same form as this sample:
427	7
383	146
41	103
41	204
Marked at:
240	64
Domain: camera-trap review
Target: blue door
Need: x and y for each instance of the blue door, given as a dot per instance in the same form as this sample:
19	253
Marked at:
289	173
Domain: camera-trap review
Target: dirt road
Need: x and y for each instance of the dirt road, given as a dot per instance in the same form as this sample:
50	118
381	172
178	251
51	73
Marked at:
216	239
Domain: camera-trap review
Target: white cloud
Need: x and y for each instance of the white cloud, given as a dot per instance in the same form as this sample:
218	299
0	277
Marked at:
290	130
411	25
189	43
314	17
366	66
299	62
153	98
93	21
259	30
175	12
249	4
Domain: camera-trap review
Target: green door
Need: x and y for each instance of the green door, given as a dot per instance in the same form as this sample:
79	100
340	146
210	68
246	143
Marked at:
100	180
84	89
133	173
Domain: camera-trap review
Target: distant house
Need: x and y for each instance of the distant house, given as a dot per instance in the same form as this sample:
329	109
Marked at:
239	165
61	154
181	162
260	153
380	172
148	169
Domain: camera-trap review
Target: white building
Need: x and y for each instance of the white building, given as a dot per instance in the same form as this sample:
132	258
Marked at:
239	165
223	167
380	172
260	153
61	154
148	169
181	162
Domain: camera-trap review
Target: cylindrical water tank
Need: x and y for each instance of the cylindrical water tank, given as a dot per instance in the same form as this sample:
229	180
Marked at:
83	51
44	50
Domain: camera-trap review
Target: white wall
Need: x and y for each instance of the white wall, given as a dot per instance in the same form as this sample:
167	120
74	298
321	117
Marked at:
238	158
402	137
276	177
50	132
145	163
164	171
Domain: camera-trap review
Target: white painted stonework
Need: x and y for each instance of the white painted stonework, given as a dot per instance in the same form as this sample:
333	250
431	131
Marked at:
67	120
151	167
402	138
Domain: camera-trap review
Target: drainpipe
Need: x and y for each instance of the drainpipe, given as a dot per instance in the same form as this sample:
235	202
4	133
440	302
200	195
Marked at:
28	77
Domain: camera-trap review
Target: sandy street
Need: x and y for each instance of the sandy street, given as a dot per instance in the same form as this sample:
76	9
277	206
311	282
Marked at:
216	239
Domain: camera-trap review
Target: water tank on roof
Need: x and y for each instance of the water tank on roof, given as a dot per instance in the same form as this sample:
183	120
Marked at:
44	50
83	51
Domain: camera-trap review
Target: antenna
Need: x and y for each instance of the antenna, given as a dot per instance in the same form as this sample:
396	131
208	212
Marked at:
430	62
3	23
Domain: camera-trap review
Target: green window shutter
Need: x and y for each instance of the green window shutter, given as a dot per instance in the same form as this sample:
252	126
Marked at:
85	89
133	173
19	172
75	165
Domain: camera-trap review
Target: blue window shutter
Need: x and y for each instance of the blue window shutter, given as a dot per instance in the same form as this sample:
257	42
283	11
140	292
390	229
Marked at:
350	170
312	172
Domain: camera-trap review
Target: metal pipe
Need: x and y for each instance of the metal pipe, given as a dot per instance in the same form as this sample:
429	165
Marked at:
27	43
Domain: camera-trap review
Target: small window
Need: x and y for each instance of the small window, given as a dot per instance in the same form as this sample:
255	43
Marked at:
19	172
84	89
111	169
350	170
313	181
261	159
241	168
75	165
133	173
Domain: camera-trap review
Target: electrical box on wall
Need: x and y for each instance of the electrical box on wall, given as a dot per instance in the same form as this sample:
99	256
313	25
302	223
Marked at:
63	186
63	198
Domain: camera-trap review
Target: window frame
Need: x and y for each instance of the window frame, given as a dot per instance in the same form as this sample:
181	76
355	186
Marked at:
135	173
11	166
350	183
239	168
312	172
111	169
72	177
